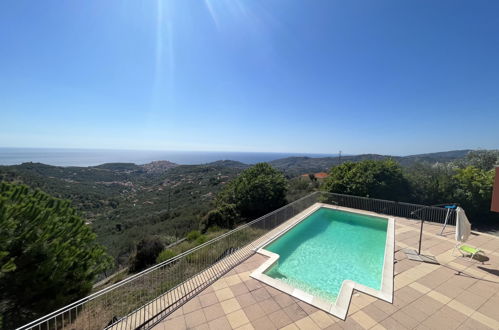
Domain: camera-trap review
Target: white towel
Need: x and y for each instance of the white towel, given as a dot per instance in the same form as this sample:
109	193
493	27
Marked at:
463	226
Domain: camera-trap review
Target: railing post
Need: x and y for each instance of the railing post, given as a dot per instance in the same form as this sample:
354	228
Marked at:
420	236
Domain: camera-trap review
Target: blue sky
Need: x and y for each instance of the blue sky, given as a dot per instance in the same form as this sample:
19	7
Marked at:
397	77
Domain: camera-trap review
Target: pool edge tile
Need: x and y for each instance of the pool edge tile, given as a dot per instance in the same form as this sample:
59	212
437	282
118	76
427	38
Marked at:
340	307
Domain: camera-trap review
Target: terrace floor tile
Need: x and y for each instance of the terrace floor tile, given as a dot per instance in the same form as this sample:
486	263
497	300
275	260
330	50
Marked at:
280	319
208	299
192	305
446	318
283	299
375	313
295	312
230	305
458	294
471	300
306	323
237	319
224	294
194	319
260	294
365	320
221	323
269	305
263	323
239	289
322	319
405	319
254	312
471	324
391	323
213	312
246	299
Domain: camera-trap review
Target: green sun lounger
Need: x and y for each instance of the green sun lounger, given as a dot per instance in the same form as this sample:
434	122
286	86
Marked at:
466	249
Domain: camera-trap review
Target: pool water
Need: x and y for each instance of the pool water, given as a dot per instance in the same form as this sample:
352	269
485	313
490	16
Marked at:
328	247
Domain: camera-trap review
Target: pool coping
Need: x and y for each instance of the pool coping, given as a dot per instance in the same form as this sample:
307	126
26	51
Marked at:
339	308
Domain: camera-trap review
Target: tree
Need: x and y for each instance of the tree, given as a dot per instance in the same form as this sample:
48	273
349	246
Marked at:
256	191
482	159
301	186
369	178
474	191
431	183
48	255
224	216
148	249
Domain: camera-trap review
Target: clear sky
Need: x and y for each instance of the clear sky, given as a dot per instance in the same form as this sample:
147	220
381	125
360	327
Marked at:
397	77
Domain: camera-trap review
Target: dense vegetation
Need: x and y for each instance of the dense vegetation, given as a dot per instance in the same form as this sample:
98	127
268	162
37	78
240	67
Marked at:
369	178
125	203
295	166
48	256
258	190
467	181
145	214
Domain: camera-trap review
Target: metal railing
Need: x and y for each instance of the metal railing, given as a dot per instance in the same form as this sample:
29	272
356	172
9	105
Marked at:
128	304
393	208
144	299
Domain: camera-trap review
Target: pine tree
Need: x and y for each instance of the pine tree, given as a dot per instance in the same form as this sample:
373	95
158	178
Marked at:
48	255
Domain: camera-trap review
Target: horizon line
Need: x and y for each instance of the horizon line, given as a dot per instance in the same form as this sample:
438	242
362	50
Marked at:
242	152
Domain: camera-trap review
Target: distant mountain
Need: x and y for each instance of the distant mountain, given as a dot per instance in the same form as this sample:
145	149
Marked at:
436	157
229	163
294	166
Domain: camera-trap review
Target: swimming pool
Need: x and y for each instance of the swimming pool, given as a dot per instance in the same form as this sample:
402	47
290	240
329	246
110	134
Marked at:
329	251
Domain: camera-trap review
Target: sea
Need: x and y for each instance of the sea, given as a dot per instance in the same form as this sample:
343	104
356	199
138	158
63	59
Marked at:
93	157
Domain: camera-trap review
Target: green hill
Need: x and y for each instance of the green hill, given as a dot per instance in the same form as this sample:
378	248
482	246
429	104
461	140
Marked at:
126	202
294	166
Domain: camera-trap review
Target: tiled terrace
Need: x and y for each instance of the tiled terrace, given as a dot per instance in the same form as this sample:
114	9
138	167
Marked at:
457	294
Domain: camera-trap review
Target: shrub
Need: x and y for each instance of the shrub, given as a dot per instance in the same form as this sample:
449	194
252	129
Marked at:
224	216
214	229
193	235
201	239
148	250
165	255
256	191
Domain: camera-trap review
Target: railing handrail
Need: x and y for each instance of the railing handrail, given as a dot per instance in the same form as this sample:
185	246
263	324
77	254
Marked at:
141	274
152	268
387	201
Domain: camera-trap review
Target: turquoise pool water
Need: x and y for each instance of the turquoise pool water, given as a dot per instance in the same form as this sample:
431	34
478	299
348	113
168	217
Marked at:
328	247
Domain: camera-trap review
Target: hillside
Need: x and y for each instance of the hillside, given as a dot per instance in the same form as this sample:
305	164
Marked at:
294	166
126	202
436	157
